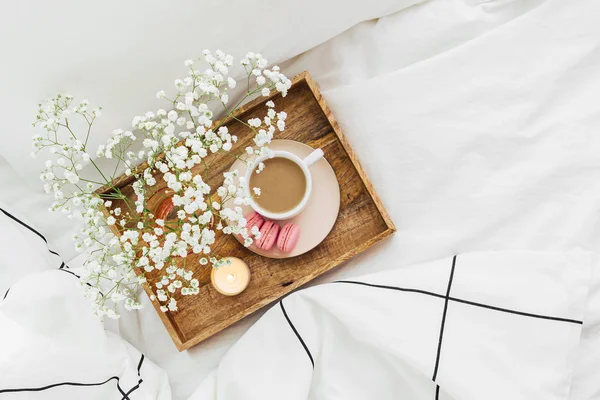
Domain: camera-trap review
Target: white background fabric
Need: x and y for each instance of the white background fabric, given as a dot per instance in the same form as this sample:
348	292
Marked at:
477	122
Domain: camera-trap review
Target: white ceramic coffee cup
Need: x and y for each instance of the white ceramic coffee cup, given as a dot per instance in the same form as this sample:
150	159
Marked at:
304	165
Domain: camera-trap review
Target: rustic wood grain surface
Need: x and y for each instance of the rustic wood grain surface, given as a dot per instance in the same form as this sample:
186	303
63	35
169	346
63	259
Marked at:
362	220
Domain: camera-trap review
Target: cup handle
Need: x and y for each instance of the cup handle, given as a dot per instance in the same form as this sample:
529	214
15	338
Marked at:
313	157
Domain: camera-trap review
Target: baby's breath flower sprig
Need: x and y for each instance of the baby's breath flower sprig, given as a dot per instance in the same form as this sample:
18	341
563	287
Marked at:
177	144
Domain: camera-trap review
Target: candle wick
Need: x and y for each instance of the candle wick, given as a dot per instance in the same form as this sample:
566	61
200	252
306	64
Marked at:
231	277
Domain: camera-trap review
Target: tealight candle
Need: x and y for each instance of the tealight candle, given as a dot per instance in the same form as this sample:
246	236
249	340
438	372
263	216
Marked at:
231	279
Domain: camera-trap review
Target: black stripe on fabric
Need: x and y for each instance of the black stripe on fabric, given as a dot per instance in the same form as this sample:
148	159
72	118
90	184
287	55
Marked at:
125	395
78	277
472	303
140	364
525	314
297	334
62	268
9	215
72	273
40	389
133	389
394	288
136	387
437	392
439	349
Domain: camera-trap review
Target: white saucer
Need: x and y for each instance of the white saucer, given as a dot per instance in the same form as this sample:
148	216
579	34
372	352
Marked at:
321	211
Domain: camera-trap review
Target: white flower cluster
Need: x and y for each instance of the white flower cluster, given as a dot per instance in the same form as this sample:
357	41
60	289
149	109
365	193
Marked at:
177	145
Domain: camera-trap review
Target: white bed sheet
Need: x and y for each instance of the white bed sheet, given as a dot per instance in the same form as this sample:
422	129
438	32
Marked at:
357	340
478	123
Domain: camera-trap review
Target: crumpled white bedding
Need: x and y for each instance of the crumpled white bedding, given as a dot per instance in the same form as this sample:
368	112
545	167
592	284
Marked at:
477	122
448	329
51	346
462	322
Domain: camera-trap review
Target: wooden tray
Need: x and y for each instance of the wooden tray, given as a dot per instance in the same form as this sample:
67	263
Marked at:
361	223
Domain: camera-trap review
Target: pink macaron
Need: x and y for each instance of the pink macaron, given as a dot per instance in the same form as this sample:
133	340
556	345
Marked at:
288	237
254	219
268	235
